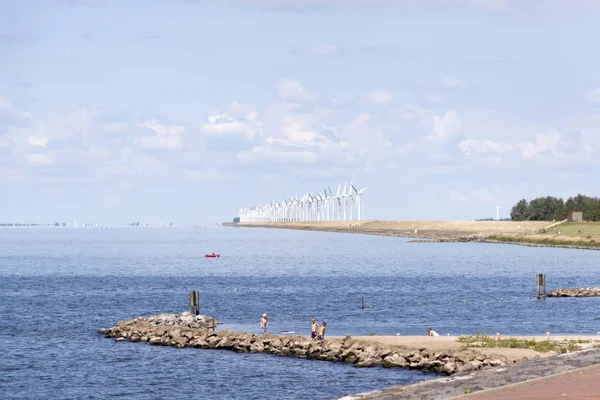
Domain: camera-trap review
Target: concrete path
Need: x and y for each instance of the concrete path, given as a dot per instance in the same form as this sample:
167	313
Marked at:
478	382
583	383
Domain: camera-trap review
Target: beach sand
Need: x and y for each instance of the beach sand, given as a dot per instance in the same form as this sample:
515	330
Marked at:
449	343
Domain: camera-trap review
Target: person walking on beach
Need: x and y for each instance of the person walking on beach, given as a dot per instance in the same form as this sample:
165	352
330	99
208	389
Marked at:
264	323
431	332
313	328
322	328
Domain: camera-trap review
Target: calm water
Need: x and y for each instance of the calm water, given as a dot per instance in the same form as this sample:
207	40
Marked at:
57	287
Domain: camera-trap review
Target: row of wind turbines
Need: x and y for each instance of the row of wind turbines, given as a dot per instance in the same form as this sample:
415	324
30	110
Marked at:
321	206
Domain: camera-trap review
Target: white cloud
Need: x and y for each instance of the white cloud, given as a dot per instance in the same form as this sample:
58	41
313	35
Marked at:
323	50
197	175
446	126
378	97
38	141
593	96
115	127
452	82
167	137
291	90
268	154
470	146
158	142
244	111
511	7
4	104
7	107
39	159
223	124
542	144
127	185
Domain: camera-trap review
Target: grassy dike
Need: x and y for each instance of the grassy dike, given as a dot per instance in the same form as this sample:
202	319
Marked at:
582	235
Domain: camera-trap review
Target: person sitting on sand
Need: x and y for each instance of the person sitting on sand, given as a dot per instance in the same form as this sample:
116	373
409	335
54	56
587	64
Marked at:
431	332
322	328
313	328
264	323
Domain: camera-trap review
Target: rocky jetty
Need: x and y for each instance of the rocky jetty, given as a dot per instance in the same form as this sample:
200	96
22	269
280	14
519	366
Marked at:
187	330
575	292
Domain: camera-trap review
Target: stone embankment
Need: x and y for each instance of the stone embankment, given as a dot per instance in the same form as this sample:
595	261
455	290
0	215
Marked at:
186	330
575	292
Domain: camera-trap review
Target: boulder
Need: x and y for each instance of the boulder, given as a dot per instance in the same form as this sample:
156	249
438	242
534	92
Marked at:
395	360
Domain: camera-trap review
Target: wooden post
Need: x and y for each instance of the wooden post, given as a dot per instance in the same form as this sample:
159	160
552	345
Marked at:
195	302
540	286
362	304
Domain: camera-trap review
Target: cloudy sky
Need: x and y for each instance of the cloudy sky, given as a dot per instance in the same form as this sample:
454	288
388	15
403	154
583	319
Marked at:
181	110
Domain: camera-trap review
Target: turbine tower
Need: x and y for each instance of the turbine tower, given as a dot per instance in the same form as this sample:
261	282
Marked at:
497	213
358	202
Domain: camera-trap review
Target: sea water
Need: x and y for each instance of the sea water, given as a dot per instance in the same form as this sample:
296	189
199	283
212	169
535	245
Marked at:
59	286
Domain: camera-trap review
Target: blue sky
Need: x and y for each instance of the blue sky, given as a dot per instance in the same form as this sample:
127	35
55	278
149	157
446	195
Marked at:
182	110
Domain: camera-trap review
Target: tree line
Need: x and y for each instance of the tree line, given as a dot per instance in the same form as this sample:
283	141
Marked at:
552	208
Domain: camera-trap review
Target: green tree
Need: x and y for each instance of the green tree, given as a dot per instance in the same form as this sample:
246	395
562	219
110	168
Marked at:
544	208
519	211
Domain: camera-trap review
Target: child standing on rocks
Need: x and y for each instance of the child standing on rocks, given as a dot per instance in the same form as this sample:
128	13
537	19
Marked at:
264	323
313	328
322	328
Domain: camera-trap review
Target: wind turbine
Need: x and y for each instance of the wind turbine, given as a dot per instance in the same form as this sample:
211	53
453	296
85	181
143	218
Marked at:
339	202
351	199
344	200
497	213
358	203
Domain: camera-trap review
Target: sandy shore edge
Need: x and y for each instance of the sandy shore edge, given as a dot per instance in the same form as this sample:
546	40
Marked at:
515	233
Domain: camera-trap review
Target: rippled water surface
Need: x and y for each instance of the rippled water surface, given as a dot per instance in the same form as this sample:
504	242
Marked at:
57	287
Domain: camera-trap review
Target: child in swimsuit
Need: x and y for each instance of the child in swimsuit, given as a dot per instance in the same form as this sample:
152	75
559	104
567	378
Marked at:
264	323
313	328
321	334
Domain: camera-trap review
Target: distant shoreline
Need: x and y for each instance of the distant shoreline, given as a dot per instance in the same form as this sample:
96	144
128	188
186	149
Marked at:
499	232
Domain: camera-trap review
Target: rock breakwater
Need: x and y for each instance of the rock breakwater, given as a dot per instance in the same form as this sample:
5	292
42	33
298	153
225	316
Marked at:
575	292
186	330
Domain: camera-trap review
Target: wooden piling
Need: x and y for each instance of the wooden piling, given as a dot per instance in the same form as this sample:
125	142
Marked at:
540	286
195	302
362	303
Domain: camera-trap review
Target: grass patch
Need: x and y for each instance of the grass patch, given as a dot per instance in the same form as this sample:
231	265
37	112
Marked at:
483	341
586	229
549	241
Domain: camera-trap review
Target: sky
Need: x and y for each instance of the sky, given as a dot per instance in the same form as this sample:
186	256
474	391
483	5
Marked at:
185	111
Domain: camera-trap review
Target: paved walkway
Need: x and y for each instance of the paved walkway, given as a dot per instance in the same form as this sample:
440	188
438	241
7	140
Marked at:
580	384
577	375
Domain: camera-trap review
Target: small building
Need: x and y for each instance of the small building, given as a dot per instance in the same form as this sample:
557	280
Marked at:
576	216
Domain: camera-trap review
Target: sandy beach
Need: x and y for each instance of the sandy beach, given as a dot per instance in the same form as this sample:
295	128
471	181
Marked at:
446	343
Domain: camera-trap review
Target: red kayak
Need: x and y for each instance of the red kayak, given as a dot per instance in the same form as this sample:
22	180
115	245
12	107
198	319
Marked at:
213	255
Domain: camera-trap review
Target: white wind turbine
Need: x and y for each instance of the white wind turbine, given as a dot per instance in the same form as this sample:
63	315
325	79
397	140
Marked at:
326	207
358	201
351	199
339	202
344	200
